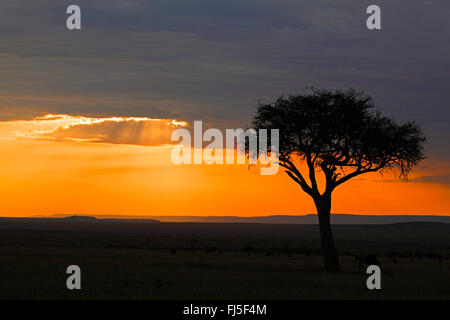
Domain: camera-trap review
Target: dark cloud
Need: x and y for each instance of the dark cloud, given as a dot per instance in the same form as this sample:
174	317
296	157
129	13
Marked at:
213	19
210	60
440	178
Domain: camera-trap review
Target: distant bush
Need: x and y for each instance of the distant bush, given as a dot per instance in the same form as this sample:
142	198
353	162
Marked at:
249	249
210	249
395	254
429	255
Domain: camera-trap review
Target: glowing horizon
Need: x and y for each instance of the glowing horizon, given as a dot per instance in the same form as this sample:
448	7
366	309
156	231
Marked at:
73	165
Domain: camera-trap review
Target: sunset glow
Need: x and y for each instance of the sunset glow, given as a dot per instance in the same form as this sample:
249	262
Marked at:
63	164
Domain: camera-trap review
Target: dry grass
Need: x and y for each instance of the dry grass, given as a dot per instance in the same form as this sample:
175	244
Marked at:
39	273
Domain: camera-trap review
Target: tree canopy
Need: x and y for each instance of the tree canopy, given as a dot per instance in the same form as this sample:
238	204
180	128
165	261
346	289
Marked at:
341	133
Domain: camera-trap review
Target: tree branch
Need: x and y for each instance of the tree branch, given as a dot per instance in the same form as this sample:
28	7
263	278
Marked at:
312	174
295	174
357	173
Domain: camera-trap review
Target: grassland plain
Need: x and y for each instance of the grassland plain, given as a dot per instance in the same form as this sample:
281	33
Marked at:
184	261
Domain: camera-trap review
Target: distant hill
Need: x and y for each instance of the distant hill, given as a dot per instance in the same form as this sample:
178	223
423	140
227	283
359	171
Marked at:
422	234
309	219
80	218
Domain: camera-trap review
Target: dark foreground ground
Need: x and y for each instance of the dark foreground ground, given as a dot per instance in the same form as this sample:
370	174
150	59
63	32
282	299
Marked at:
147	260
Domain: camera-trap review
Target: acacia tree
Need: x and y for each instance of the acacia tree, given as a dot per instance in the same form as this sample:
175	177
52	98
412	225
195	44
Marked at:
339	134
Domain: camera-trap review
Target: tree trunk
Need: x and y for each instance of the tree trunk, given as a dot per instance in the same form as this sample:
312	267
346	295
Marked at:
331	260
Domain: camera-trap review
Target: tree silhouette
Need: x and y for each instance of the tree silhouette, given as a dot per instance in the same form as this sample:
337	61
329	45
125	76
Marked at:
339	134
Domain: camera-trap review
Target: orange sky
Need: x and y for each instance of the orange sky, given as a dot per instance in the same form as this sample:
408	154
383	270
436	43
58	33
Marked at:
64	165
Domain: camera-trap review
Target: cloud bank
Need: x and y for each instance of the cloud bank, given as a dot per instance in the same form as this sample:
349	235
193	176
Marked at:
116	130
210	60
